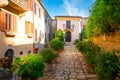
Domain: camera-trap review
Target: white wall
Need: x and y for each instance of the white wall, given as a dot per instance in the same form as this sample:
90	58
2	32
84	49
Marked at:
75	33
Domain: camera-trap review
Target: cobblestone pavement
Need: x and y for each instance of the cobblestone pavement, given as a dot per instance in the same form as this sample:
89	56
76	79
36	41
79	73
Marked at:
69	67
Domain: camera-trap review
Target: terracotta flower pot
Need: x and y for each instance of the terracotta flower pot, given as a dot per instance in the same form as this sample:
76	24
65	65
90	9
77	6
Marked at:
34	79
54	61
89	68
118	55
48	67
35	50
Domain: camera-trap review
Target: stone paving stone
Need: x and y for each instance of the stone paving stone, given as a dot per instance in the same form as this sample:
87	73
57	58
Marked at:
72	79
66	77
66	73
81	77
81	73
72	76
58	78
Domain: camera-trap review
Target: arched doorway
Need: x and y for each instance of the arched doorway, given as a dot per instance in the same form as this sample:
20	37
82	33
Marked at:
68	36
9	53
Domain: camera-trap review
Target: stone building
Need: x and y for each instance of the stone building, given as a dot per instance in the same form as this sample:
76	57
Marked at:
70	25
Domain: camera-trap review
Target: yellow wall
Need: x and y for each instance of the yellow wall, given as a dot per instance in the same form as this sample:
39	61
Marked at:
67	18
20	42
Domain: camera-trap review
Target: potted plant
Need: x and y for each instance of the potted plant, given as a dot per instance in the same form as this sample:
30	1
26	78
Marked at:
48	55
30	67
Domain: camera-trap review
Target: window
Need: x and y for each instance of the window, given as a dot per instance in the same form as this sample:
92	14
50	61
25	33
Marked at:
39	13
29	27
21	52
68	23
8	23
35	11
29	52
45	18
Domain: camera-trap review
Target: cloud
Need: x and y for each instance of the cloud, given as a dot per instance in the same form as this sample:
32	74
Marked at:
74	8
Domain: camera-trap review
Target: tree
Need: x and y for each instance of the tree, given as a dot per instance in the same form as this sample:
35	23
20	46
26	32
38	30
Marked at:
104	18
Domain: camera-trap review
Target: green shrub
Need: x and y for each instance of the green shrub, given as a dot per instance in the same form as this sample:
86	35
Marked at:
76	41
90	57
86	46
31	66
80	46
107	66
59	34
16	64
56	44
48	55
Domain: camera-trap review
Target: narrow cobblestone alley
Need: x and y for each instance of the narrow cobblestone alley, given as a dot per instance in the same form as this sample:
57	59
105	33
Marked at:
69	66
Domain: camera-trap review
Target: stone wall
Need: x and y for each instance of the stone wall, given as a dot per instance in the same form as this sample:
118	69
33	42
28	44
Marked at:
108	41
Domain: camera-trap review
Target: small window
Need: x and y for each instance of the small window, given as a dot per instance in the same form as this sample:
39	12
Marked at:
35	11
29	52
21	52
39	13
45	18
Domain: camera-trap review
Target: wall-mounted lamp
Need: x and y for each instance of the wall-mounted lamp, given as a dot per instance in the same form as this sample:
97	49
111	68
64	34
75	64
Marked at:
3	3
73	26
63	26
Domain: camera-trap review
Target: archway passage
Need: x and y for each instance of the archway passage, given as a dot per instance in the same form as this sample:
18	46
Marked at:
9	53
68	36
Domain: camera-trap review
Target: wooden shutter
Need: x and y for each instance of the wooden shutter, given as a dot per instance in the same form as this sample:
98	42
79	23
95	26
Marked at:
30	4
14	23
2	21
32	28
27	27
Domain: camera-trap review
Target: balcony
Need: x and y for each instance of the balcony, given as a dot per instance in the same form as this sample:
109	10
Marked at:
70	29
17	6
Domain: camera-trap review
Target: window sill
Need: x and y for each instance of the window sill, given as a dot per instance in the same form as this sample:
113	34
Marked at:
29	35
10	34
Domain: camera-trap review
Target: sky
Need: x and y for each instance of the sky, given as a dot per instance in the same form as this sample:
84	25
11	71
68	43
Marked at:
68	7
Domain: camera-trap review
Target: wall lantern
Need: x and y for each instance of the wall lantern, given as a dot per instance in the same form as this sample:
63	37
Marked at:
63	26
73	26
3	3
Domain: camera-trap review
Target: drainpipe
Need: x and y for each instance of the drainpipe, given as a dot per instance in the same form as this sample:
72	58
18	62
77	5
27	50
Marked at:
3	3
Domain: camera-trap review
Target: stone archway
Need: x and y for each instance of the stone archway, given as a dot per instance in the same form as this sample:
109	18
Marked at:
9	53
68	36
